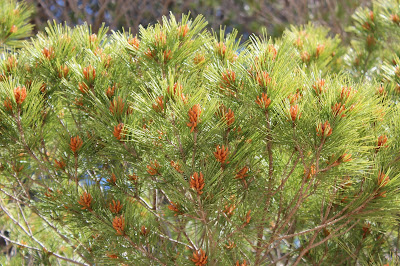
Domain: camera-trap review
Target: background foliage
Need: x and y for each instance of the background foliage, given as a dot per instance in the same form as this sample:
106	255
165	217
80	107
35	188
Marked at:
247	17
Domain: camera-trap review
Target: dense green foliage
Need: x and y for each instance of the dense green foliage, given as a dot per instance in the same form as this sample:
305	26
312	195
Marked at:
181	146
14	24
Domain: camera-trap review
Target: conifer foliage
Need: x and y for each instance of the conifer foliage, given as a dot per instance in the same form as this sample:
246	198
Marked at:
181	146
14	24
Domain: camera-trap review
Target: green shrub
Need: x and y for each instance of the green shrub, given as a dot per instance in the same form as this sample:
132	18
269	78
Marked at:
180	147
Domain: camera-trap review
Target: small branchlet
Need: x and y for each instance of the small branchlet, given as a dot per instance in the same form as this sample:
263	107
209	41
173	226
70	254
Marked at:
199	258
197	182
118	224
86	201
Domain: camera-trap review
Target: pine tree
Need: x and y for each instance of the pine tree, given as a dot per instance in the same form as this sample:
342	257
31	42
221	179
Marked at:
14	24
181	146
